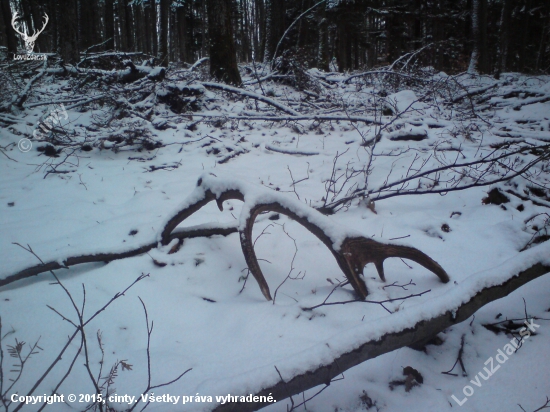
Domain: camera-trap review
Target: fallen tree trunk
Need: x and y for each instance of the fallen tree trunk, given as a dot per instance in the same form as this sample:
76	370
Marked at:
131	74
253	95
180	234
400	329
421	330
313	117
350	248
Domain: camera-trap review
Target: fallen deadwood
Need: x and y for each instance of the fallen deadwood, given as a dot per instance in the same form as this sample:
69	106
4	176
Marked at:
180	234
351	249
290	151
131	74
317	118
385	72
198	63
418	330
473	92
253	95
19	99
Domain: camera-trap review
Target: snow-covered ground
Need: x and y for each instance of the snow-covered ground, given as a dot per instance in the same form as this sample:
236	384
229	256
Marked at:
234	340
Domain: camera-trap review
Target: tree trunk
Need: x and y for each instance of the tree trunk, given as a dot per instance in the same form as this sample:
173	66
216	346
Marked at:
181	33
139	39
543	43
88	26
67	29
164	25
322	47
275	27
11	40
38	13
504	35
154	31
261	23
130	28
148	36
484	58
475	37
479	61
122	23
223	57
109	25
52	25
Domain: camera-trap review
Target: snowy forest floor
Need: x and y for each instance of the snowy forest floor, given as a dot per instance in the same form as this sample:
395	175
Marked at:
110	162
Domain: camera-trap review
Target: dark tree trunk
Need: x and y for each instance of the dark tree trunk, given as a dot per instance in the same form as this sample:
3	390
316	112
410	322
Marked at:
504	35
154	32
223	56
11	40
173	38
89	30
38	14
484	58
140	44
147	35
181	33
543	44
164	25
109	15
130	27
479	61
52	25
261	23
67	30
275	27
122	30
322	48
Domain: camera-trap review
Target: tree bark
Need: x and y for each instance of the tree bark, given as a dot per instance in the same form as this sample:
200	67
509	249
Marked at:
181	27
419	332
504	35
139	24
11	40
259	49
223	56
479	60
109	25
122	29
154	32
164	25
67	29
147	34
38	11
322	47
275	27
88	27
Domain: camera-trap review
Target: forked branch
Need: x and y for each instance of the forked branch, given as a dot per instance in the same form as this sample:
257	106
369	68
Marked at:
351	250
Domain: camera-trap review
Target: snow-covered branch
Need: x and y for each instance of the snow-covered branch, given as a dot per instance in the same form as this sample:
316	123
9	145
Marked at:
402	329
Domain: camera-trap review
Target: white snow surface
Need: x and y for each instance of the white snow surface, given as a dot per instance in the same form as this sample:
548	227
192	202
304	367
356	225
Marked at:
233	339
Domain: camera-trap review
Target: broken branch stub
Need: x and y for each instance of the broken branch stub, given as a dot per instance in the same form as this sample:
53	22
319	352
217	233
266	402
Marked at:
351	250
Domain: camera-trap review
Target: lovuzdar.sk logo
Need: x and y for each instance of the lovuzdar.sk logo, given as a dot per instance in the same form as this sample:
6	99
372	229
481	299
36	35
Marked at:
29	40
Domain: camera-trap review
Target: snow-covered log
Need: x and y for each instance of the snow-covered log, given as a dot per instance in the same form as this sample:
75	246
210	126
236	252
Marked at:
253	95
350	248
107	256
131	74
403	329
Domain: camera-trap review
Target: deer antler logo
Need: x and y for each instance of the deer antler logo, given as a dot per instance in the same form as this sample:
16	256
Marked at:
29	40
